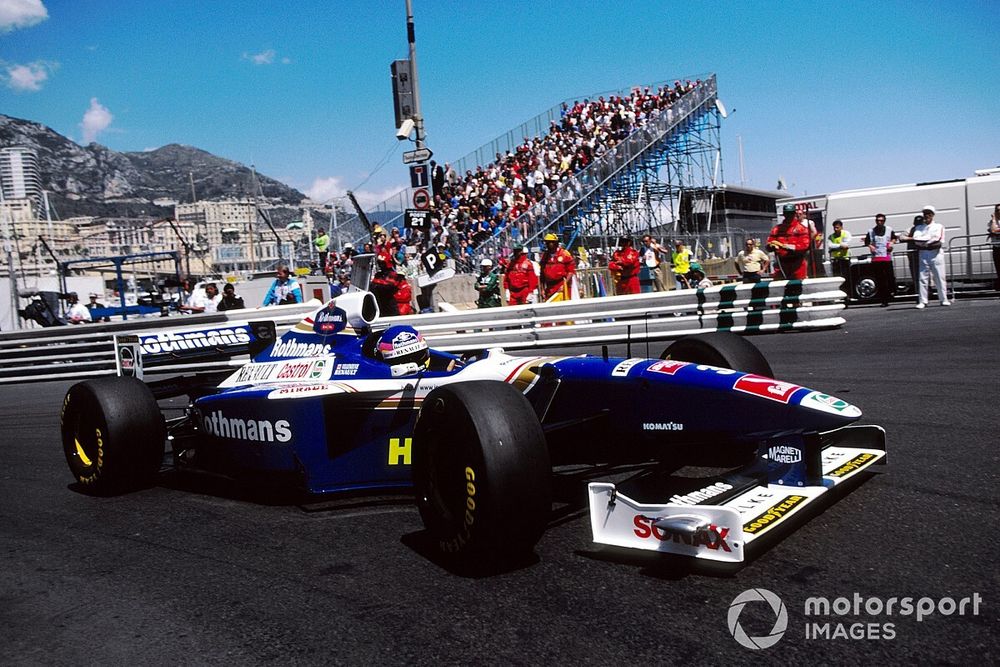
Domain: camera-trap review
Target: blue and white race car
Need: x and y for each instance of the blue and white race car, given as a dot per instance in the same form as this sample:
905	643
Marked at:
338	404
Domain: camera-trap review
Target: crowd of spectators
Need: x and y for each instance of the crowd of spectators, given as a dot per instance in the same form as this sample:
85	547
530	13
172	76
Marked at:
469	209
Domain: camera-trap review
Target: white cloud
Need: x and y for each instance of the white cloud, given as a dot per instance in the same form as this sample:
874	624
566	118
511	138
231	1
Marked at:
26	78
325	189
96	119
16	14
262	58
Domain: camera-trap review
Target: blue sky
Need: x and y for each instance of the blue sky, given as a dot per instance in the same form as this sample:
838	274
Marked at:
828	96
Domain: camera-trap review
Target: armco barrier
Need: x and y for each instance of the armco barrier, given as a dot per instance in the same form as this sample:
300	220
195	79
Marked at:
87	350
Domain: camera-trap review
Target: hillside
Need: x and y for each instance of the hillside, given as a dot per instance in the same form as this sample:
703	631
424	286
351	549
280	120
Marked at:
95	180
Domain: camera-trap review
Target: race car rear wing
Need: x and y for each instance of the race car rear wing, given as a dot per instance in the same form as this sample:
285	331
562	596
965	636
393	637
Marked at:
198	349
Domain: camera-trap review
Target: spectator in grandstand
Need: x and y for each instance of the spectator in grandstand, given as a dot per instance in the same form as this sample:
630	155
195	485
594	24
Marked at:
929	236
437	178
624	267
558	268
681	261
230	300
205	300
840	254
790	241
487	285
519	278
284	290
993	228
752	262
880	240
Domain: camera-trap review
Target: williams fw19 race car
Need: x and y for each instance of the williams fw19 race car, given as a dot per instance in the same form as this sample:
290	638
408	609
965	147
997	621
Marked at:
337	404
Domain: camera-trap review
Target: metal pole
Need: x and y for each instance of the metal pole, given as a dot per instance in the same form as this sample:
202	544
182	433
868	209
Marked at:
418	119
11	280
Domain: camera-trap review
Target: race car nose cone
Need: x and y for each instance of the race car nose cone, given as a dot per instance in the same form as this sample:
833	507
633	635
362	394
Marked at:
831	405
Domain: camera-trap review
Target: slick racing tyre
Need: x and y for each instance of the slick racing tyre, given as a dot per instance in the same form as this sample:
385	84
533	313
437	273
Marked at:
723	349
112	434
481	471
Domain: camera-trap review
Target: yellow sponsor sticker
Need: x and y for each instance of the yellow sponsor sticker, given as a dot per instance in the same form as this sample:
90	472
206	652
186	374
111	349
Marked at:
773	515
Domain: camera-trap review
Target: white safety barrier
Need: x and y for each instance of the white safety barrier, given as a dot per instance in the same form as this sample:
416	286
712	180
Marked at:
87	350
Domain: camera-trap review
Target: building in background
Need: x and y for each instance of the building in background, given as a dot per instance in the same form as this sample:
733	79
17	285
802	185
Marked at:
20	178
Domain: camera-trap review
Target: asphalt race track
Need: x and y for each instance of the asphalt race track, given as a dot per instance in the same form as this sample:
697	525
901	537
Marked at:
194	572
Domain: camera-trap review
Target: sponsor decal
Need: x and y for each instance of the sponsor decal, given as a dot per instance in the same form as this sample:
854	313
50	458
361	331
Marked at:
346	369
252	430
623	367
662	426
701	495
468	519
257	372
784	454
713	538
405	342
399	451
126	360
330	320
857	463
295	370
295	348
317	370
194	340
773	515
759	385
667	366
832	401
750	502
716	370
304	390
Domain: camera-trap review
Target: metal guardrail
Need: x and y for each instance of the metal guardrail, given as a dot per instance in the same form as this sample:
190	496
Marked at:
87	350
83	351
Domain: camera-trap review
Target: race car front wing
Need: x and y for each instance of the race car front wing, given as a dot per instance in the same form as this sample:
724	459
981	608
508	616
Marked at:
729	512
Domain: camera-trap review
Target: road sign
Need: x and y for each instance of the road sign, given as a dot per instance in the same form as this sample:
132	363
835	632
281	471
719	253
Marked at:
421	199
415	218
419	155
420	176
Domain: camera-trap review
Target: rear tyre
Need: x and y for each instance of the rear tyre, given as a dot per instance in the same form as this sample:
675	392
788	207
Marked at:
723	349
481	471
112	434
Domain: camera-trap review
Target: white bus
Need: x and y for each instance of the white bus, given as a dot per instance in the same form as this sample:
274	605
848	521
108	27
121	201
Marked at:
963	206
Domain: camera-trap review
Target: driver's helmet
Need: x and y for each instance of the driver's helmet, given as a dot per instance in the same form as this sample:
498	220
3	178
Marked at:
402	344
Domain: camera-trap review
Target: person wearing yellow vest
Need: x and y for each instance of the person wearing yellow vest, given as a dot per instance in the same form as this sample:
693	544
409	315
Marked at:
322	245
681	259
840	254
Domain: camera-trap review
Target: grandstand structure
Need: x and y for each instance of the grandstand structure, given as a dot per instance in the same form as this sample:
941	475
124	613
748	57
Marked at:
661	179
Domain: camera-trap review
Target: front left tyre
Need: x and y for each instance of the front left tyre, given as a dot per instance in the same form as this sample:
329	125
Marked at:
112	434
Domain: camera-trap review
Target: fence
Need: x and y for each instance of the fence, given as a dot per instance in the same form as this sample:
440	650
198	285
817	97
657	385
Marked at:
85	351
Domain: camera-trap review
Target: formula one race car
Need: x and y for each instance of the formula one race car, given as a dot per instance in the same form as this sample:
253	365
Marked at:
337	405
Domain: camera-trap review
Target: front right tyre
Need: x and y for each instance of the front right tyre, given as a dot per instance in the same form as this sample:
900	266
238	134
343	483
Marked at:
481	471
